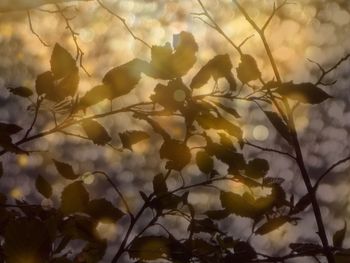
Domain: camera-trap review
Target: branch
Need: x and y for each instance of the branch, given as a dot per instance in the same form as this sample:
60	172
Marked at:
269	150
22	5
80	52
333	166
33	31
124	23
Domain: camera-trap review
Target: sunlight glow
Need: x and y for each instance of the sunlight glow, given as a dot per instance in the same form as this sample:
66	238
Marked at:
261	133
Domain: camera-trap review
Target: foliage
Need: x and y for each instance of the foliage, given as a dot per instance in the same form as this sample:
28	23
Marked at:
38	233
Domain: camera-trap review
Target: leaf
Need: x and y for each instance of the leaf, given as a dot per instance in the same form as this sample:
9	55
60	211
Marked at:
302	204
1	170
149	247
339	236
305	248
74	198
271	225
93	252
21	91
204	162
176	152
303	92
96	132
26	240
172	96
65	170
342	258
248	69
62	62
218	214
43	187
279	125
269	181
208	121
9	128
229	110
170	63
94	96
45	83
80	227
218	67
257	168
203	225
159	185
244	252
129	138
101	209
7	145
122	79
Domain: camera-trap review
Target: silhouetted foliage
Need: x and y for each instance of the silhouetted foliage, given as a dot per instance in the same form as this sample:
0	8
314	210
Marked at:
47	233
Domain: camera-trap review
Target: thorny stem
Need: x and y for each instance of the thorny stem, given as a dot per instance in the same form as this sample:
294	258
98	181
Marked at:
299	156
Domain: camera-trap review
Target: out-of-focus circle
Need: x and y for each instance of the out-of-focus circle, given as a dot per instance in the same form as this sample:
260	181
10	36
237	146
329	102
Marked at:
88	178
260	133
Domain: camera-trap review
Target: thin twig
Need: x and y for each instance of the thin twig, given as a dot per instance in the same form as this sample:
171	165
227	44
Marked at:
269	149
79	51
124	23
33	31
333	166
117	191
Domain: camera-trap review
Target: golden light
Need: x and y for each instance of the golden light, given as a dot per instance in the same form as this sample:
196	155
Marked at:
22	160
88	178
16	193
106	230
260	133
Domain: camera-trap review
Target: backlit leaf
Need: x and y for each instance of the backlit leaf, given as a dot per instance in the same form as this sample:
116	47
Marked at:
96	132
65	170
204	162
176	152
339	236
43	187
271	225
257	168
62	63
101	209
129	138
21	91
303	92
248	69
218	67
74	198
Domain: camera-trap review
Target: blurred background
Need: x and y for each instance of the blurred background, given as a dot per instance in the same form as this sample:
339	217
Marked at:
318	30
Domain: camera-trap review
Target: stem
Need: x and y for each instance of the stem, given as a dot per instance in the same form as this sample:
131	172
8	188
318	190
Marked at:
299	156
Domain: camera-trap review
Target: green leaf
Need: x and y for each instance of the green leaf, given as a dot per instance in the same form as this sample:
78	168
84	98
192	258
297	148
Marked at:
248	69
96	132
21	91
218	67
101	209
279	125
204	162
339	236
62	62
43	187
303	92
257	168
271	225
74	198
65	170
129	138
